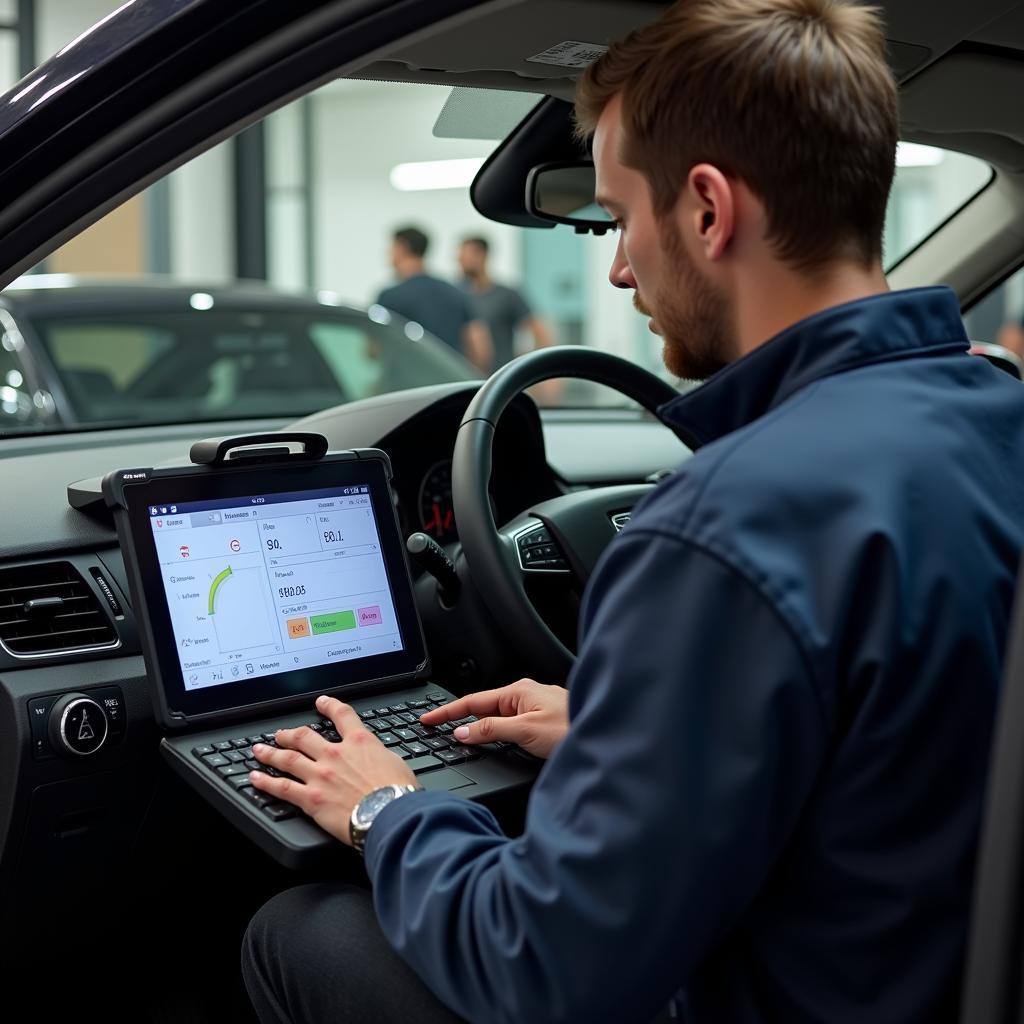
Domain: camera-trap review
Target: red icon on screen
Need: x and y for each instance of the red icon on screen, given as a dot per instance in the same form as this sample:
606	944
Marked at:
235	545
159	522
183	551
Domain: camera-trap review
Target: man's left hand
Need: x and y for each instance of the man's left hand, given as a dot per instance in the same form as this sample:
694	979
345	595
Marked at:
332	777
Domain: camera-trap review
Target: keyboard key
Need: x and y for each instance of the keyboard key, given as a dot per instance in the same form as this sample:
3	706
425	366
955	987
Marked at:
253	765
399	707
382	711
203	750
378	724
223	745
233	769
445	728
240	742
254	739
408	717
278	811
389	739
419	704
416	749
437	743
239	781
369	713
331	735
401	752
436	696
247	752
468	753
254	796
269	737
422	730
422	764
406	734
316	726
234	756
216	760
450	757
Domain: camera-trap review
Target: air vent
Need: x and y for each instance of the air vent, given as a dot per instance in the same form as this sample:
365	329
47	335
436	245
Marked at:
48	609
619	520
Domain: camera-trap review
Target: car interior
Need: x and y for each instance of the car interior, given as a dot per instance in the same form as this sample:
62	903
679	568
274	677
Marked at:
115	868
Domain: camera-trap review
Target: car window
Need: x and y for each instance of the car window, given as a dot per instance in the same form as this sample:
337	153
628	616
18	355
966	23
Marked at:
320	190
161	367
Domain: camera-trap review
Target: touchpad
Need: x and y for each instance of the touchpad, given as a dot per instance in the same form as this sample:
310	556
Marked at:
444	778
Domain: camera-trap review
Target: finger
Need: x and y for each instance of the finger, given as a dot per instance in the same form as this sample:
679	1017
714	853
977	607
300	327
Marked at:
284	789
517	729
302	738
294	762
345	720
486	702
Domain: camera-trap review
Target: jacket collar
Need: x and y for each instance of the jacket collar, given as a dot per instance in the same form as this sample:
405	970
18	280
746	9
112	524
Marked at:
881	328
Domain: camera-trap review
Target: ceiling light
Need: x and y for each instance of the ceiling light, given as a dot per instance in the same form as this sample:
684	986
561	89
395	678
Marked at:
435	174
913	154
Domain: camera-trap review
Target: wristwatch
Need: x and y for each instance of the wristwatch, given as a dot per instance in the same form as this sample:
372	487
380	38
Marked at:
364	814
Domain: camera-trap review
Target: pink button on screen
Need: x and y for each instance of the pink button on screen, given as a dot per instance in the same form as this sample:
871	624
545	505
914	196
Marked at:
370	616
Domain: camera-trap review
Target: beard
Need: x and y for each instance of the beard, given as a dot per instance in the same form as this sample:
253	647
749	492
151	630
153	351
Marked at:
692	316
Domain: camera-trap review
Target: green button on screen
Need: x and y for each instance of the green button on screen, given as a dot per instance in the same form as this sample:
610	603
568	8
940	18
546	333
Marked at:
332	623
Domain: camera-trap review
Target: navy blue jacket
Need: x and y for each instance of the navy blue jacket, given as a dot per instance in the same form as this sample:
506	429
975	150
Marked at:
780	716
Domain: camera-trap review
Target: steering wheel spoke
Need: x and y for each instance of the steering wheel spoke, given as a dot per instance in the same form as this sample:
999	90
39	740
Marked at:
537	551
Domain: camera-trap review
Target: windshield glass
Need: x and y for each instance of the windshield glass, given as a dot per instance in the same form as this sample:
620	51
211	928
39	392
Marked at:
152	315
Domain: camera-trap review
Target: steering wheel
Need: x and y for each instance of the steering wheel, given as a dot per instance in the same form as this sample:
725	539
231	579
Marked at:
566	534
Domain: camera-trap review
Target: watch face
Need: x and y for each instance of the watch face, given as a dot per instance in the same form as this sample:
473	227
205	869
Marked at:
372	804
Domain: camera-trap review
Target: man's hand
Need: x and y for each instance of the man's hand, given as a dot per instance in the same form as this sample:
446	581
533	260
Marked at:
332	777
525	712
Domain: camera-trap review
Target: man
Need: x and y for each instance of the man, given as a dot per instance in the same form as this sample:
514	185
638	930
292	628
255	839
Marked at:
767	790
503	309
435	305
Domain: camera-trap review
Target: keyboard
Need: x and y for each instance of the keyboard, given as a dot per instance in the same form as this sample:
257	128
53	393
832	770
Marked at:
397	726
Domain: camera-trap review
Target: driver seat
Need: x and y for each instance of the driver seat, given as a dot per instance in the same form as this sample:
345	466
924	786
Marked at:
993	992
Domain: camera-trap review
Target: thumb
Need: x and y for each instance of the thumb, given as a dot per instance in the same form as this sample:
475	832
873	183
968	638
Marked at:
493	730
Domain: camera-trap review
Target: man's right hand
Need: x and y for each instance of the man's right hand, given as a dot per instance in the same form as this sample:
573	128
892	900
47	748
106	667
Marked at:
531	714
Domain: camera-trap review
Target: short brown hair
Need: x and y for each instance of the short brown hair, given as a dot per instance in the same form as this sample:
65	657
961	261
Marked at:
792	97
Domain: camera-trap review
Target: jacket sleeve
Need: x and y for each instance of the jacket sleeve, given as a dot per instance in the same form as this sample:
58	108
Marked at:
696	735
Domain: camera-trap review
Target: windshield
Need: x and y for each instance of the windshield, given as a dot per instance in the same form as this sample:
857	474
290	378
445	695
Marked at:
309	202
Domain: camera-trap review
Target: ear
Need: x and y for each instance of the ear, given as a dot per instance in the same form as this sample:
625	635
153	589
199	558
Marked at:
711	202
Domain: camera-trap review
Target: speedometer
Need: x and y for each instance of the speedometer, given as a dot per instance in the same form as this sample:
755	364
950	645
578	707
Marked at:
436	513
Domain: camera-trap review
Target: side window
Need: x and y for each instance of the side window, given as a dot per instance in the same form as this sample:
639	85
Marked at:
999	316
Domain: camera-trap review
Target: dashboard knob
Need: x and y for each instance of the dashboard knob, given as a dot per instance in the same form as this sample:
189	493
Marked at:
78	725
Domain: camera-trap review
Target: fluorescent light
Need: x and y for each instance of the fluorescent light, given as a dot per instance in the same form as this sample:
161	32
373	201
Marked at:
378	314
15	379
201	300
913	154
326	298
435	174
414	331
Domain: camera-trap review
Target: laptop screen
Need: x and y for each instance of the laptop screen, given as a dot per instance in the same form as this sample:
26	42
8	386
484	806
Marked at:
256	585
259	585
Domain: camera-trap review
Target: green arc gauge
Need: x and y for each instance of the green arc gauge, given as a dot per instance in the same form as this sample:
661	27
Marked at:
217	581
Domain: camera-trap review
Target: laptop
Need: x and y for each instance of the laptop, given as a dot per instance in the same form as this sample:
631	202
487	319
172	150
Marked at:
262	577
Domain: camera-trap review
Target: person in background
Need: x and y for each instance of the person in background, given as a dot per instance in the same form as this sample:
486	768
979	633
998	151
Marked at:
502	308
437	306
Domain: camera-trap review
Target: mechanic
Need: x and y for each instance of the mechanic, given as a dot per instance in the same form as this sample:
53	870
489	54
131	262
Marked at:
763	791
501	307
435	305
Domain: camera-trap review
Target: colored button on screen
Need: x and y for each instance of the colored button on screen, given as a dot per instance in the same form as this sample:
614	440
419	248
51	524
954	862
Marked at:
333	622
298	628
370	616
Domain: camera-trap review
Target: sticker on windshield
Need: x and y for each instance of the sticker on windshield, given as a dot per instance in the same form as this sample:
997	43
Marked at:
570	54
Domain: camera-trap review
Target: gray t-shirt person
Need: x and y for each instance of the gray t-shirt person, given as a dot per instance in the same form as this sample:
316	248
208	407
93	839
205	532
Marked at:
503	309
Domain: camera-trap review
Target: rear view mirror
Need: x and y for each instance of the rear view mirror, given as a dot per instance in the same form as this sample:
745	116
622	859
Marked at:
564	194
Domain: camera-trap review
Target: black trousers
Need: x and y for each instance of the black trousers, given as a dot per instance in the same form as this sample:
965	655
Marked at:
316	955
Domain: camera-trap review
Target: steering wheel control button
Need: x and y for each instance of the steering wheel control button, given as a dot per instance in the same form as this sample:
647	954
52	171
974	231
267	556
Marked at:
537	551
78	725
